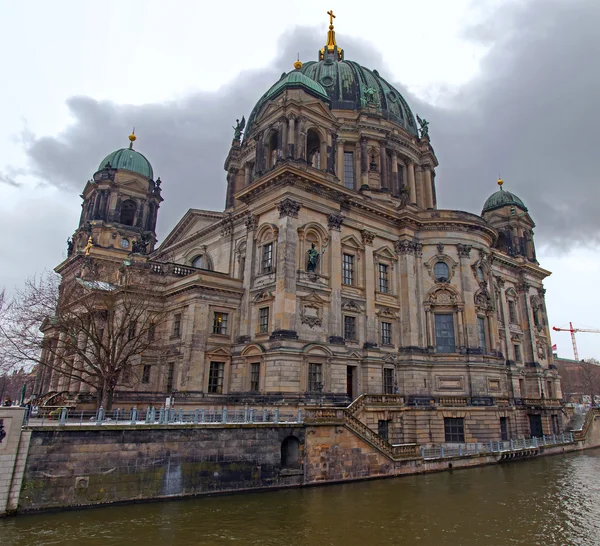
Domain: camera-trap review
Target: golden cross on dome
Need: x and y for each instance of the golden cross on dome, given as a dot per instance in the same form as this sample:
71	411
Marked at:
331	16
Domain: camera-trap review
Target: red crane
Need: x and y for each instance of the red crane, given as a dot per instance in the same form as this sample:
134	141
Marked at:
573	330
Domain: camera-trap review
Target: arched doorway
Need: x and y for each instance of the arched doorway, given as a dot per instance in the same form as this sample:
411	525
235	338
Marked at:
290	452
313	149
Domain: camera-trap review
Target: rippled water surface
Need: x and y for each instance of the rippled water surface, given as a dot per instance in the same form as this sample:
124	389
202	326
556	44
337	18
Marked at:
546	501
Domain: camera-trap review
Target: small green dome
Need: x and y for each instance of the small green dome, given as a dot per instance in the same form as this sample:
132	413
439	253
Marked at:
501	199
130	160
295	80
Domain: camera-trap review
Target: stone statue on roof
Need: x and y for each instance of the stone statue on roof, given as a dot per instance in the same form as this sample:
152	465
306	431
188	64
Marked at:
239	128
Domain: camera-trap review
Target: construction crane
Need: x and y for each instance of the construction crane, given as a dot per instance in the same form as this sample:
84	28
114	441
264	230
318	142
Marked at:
573	330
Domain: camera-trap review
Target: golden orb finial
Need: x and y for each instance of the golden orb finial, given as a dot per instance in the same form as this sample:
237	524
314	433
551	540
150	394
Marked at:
500	182
298	63
132	139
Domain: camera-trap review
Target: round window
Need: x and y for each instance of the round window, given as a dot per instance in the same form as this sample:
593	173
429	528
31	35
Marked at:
441	272
124	242
327	81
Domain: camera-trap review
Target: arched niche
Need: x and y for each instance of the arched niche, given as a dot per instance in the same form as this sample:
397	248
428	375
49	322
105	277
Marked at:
128	210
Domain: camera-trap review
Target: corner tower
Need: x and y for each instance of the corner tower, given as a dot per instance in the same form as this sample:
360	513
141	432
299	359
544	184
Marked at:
120	204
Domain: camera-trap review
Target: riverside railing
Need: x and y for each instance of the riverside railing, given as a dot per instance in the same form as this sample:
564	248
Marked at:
164	416
521	444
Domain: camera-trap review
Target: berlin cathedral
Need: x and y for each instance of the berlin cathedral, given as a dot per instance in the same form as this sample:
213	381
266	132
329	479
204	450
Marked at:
332	273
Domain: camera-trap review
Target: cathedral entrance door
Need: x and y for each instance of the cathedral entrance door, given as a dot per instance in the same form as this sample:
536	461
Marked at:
535	426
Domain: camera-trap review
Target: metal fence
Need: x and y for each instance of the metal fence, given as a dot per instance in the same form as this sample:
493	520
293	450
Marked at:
162	416
521	444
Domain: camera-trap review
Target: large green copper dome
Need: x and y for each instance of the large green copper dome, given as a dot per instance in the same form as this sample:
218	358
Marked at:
501	199
130	160
345	85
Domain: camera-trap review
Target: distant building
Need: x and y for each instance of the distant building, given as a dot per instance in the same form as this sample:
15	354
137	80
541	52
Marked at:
332	272
580	380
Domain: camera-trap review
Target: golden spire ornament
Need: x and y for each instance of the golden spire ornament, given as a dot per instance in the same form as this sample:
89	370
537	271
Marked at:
132	139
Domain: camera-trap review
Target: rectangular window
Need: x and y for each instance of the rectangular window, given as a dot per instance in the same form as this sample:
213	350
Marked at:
170	377
177	325
388	381
383	429
549	389
481	331
151	332
517	350
263	320
454	429
254	376
383	278
503	429
348	269
146	374
386	333
512	312
349	170
220	324
350	328
555	426
444	333
315	377
522	388
267	258
215	377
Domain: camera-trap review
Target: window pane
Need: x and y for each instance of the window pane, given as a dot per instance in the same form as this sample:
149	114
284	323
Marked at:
146	374
383	278
481	329
197	262
215	377
350	328
263	320
177	325
254	376
348	269
170	376
454	429
386	333
267	258
388	381
220	323
444	333
441	272
349	170
512	312
315	378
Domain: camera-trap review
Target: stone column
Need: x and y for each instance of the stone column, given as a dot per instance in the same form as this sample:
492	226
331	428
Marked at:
285	307
428	189
246	308
369	273
411	183
419	187
301	142
409	327
394	185
364	162
334	222
323	155
340	161
247	174
523	292
291	136
283	124
466	276
383	171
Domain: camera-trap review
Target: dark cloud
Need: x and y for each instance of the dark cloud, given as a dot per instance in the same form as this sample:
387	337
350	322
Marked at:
530	115
8	177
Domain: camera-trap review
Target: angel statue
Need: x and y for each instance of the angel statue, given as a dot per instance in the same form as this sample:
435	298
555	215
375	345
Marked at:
424	127
239	128
313	257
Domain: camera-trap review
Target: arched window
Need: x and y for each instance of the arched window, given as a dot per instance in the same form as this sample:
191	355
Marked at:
290	452
128	209
313	149
502	244
272	151
198	261
441	272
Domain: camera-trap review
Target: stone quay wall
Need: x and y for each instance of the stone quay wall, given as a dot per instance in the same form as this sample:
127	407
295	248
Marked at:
84	466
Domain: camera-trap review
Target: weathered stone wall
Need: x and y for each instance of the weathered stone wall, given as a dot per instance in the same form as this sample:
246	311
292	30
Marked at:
13	454
88	465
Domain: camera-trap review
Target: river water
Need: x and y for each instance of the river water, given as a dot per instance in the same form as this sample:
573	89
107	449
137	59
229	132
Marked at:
546	501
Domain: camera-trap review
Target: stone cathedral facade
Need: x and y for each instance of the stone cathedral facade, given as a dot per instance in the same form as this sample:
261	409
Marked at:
332	272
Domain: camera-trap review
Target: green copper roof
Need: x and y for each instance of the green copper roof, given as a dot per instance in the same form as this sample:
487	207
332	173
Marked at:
502	198
296	79
130	160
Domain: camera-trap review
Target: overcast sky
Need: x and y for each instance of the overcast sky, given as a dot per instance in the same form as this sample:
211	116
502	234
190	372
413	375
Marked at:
509	87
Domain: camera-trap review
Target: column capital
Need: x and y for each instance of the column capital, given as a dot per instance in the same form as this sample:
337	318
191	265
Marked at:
464	251
288	207
251	222
367	237
335	221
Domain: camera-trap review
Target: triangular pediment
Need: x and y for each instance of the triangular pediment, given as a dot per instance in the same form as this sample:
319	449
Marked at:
314	298
385	252
220	351
194	220
352	241
133	185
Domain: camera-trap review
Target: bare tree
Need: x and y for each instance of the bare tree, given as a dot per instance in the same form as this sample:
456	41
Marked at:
87	331
590	377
